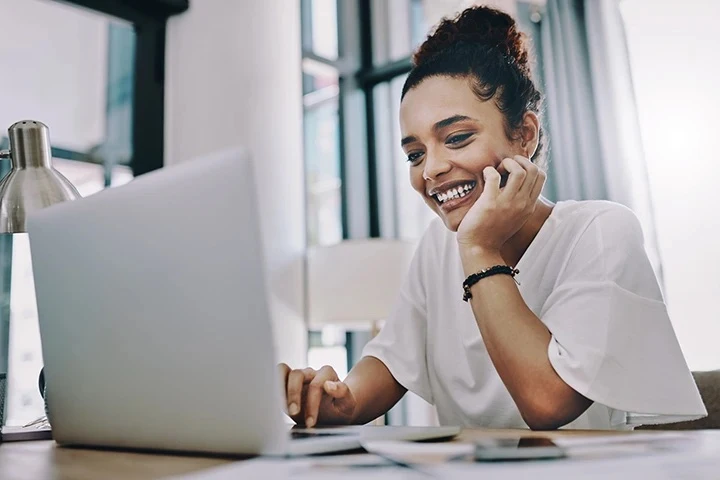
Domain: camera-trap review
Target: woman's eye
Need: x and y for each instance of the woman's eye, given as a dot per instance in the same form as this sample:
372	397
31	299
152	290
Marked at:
455	139
414	157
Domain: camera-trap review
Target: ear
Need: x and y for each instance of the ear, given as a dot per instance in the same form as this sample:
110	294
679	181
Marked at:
530	134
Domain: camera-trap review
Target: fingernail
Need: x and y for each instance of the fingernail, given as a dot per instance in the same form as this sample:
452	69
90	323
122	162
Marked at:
309	422
331	385
293	409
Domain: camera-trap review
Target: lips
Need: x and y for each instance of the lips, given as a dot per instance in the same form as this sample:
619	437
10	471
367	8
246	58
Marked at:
457	202
451	192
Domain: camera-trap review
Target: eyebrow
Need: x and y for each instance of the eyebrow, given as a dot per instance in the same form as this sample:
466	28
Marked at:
449	121
446	122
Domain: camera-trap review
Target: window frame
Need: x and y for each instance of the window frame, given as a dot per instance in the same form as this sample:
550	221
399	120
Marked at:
149	20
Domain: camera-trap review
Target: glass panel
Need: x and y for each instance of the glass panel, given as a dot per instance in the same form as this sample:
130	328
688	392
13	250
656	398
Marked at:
403	212
321	15
89	178
413	214
74	72
322	156
400	26
318	76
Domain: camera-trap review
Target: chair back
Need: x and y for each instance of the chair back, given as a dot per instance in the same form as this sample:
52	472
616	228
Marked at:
709	386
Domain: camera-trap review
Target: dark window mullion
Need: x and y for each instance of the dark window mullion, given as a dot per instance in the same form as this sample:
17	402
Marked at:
384	73
366	64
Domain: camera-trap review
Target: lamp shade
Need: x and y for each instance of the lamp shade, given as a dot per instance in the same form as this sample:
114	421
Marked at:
356	282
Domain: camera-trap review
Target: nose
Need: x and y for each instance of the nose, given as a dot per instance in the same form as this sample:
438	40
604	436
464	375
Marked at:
435	165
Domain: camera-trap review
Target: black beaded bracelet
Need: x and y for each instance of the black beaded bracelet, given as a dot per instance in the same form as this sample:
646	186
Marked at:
476	277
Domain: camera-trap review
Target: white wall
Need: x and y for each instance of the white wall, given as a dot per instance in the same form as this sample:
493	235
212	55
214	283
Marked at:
54	69
233	78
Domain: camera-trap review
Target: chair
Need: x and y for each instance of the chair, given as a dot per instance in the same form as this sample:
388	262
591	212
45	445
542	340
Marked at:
355	283
709	386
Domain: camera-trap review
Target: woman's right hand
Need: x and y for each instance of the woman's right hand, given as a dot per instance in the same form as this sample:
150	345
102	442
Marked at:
317	397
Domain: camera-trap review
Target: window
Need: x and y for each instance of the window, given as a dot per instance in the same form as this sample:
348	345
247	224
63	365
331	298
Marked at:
83	73
322	137
322	152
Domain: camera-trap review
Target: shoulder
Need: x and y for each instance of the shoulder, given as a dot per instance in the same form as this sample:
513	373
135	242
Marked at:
606	221
608	245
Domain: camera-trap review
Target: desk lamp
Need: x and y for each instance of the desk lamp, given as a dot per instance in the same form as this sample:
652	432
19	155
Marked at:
31	184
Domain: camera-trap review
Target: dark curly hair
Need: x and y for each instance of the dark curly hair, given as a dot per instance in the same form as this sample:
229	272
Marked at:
484	45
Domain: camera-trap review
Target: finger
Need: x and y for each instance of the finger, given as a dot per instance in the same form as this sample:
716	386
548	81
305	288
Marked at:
539	184
343	399
295	382
315	393
492	182
516	176
284	371
531	175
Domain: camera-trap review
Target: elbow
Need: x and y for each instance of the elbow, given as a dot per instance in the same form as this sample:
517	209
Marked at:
551	415
551	408
542	424
537	421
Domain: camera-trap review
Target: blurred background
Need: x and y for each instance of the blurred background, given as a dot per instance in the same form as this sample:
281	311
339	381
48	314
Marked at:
312	88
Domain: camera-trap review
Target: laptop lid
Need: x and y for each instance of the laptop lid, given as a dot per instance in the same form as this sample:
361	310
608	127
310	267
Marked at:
153	313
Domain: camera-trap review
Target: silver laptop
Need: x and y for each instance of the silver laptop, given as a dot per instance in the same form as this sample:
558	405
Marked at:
154	321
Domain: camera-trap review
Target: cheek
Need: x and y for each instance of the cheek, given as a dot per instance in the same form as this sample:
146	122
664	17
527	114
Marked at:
479	156
416	180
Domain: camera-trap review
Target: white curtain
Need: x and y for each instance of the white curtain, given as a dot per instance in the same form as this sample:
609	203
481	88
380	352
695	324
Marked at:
595	143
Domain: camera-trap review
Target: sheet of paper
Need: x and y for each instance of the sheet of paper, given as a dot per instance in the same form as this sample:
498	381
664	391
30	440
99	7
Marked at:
673	467
656	467
658	456
350	467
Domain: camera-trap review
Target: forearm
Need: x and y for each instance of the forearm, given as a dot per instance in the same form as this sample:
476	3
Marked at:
517	342
374	388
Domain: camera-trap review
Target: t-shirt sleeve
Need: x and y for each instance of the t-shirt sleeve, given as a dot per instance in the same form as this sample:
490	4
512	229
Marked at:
401	343
612	339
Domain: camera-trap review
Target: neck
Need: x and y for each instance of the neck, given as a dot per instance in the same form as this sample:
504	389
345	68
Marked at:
516	246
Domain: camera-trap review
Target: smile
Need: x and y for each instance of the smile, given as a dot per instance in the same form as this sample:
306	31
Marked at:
449	196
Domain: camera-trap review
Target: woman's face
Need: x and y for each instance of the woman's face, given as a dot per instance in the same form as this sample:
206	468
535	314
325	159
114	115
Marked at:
449	136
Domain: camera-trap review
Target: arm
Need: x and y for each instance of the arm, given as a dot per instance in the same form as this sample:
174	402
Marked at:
375	389
318	397
517	342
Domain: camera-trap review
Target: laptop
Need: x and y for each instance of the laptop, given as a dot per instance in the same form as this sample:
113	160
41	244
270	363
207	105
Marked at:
154	319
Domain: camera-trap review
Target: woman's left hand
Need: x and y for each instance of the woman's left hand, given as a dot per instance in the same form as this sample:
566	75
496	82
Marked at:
499	212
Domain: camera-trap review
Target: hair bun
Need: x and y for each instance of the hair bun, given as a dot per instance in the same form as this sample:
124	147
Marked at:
478	25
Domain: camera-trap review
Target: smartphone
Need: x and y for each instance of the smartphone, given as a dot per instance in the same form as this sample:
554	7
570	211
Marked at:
522	448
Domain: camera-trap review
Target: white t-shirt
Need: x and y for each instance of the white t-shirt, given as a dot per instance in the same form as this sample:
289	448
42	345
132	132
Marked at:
587	277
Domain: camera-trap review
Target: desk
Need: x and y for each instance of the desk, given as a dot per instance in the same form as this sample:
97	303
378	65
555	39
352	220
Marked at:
41	460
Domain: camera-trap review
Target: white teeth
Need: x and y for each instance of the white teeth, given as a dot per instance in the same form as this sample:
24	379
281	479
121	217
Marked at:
453	193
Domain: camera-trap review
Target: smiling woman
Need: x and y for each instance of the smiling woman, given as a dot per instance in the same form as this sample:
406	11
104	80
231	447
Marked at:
564	323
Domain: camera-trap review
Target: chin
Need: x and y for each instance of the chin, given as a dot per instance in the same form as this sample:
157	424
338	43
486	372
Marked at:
453	219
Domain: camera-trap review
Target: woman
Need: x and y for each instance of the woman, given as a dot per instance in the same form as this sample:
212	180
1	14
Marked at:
515	312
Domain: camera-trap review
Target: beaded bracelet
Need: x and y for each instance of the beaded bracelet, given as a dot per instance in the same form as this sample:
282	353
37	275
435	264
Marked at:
476	277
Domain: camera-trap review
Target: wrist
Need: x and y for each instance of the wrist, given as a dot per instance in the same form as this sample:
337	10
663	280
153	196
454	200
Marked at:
476	258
